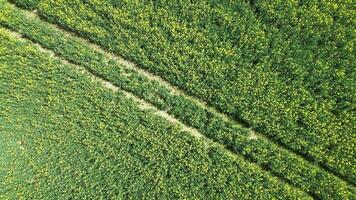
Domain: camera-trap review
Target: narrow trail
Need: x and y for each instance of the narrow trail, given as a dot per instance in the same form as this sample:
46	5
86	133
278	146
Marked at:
144	105
175	90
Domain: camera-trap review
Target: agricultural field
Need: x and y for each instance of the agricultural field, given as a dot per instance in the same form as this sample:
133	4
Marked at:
177	99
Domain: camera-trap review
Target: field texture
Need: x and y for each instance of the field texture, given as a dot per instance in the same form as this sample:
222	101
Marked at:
177	100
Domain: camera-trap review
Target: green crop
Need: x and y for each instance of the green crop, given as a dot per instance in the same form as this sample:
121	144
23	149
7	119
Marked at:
292	81
281	163
281	70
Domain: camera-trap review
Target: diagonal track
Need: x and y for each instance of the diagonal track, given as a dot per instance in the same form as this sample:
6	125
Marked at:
143	105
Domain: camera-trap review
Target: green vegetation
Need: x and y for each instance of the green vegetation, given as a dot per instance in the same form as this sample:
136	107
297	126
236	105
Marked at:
298	67
281	163
283	68
75	139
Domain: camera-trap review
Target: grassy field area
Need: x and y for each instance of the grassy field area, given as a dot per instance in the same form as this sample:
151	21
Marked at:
192	100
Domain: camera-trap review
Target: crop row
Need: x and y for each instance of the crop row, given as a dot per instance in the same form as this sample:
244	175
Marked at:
239	62
75	139
280	162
